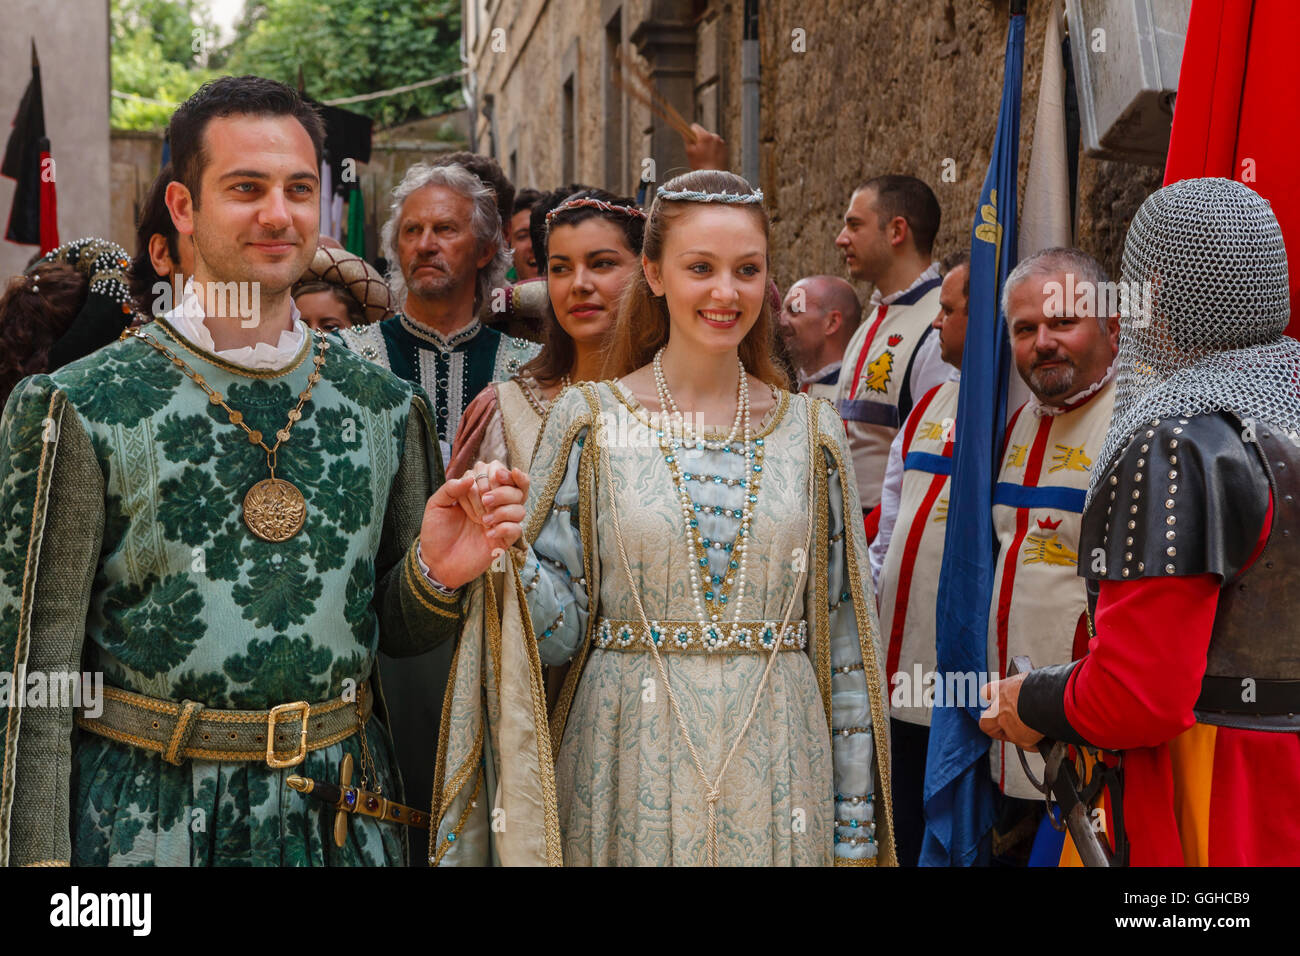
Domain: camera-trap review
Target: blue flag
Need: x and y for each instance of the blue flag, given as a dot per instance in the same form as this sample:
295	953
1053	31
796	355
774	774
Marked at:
958	787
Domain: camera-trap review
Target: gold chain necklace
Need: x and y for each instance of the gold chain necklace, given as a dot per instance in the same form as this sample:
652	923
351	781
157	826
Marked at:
274	509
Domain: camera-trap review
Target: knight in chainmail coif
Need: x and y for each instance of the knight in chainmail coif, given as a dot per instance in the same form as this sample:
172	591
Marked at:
1191	542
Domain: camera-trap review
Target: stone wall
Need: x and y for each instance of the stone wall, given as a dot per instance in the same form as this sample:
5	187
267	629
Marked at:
525	52
879	90
136	159
879	87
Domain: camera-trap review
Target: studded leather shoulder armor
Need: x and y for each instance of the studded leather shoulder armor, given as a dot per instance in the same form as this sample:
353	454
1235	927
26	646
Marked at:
1187	496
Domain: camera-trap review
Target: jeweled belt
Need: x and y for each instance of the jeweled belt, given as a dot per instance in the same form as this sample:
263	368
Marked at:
724	637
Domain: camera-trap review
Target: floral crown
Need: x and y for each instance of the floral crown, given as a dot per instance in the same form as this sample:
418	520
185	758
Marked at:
590	202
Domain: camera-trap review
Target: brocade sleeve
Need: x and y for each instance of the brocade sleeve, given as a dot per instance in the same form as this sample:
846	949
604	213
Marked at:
852	737
553	574
52	496
553	567
859	732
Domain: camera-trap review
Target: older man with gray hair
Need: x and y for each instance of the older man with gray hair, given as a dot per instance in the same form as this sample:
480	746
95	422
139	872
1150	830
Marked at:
444	243
1064	348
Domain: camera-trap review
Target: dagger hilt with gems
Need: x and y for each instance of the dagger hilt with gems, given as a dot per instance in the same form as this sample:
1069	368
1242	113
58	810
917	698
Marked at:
346	799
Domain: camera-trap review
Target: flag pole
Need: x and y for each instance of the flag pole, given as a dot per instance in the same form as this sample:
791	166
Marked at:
959	790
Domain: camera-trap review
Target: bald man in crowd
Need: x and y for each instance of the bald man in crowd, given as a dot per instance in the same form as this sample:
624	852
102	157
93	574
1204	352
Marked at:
818	317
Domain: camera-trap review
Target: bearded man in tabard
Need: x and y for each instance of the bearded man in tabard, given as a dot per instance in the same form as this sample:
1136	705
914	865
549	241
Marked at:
1064	350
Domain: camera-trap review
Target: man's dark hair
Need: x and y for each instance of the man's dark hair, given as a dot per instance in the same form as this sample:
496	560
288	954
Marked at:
233	96
154	219
493	176
912	199
526	199
951	261
537	219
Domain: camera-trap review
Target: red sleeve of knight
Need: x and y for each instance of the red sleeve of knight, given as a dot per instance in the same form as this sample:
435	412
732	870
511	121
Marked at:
1142	675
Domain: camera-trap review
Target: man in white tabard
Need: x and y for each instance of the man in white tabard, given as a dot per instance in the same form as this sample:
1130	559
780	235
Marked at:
892	360
906	557
1064	347
818	317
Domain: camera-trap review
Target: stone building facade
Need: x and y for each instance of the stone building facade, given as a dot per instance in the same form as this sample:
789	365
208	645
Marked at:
846	89
72	42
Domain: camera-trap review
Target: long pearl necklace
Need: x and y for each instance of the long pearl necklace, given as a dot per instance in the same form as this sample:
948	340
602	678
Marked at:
667	404
565	382
712	602
711	786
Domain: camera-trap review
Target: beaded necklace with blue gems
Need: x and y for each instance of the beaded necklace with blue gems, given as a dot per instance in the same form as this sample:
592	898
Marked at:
715	601
712	789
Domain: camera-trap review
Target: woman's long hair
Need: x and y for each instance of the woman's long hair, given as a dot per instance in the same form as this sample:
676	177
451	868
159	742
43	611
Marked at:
559	353
642	325
31	322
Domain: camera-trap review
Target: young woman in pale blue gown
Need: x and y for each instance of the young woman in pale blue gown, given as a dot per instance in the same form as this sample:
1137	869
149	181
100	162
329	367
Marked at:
687	549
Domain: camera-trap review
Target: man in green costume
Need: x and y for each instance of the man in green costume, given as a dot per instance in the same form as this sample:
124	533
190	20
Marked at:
228	518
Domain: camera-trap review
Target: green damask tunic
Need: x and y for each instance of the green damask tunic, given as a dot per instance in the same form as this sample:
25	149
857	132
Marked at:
452	369
124	551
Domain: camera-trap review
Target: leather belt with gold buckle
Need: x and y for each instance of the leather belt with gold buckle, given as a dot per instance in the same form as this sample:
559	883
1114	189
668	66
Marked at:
185	730
272	718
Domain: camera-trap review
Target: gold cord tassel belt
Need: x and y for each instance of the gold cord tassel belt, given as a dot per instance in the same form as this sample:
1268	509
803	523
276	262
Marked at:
282	736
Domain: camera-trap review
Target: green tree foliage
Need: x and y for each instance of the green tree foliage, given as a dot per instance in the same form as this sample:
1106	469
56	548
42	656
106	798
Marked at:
159	48
170	26
165	50
348	47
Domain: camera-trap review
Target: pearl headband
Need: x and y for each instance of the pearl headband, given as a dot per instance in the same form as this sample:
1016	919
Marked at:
695	195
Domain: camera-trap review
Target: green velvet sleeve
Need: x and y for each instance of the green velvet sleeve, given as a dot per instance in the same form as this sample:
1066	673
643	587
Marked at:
414	616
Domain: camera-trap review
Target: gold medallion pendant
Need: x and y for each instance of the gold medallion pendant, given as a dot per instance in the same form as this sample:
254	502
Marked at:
274	510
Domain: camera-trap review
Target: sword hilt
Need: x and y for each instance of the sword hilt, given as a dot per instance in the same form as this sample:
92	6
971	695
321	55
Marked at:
1061	781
